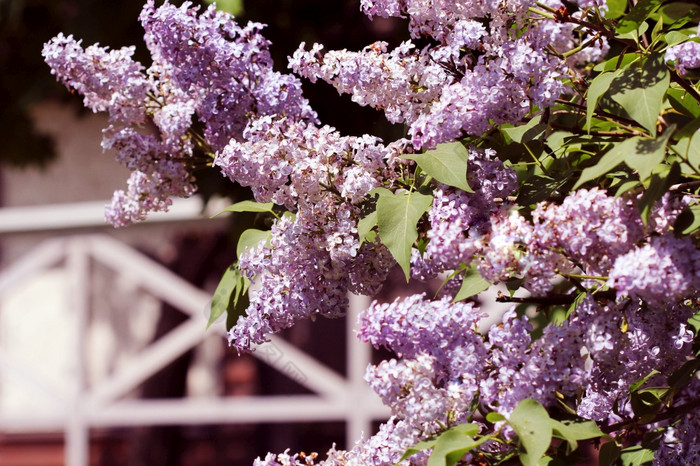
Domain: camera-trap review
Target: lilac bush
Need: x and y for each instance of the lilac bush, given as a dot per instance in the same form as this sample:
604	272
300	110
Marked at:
551	148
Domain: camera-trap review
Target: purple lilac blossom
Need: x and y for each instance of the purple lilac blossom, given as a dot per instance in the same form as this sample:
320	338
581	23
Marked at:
473	77
510	250
108	80
205	67
415	325
666	269
224	68
684	56
289	162
456	215
681	443
625	343
590	227
302	275
382	449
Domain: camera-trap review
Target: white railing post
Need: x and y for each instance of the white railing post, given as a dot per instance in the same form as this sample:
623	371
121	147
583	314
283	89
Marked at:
77	433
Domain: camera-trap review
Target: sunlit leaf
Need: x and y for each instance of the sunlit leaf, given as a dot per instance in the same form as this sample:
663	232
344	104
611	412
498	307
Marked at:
251	239
227	285
636	456
365	226
472	284
397	217
637	15
248	206
640	91
447	163
531	422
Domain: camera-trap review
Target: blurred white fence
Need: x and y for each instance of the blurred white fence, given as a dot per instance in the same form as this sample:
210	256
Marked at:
76	405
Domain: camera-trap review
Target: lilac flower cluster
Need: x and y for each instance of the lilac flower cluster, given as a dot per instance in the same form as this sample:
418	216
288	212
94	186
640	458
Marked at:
316	257
224	68
681	442
296	164
665	269
588	230
456	217
479	73
447	362
205	67
685	56
303	273
108	80
593	356
589	227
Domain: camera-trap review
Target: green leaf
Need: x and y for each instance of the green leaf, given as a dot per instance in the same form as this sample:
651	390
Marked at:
634	34
626	186
640	154
532	424
637	15
444	442
689	149
226	287
467	428
640	91
251	239
688	222
675	37
646	403
494	417
472	284
533	129
607	162
574	431
450	447
598	87
677	14
397	217
616	8
239	303
617	62
231	297
539	188
694	322
248	206
683	102
609	453
684	374
420	446
635	386
365	226
646	153
235	7
447	163
636	456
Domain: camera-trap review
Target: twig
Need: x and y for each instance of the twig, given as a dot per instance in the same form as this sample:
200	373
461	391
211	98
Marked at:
685	186
673	412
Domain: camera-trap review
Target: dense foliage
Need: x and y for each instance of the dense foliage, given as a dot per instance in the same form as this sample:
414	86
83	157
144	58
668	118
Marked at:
550	146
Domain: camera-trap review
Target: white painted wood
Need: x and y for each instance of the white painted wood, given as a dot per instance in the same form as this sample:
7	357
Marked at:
86	214
107	404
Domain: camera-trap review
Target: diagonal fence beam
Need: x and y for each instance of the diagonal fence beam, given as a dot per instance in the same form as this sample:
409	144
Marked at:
42	257
150	275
